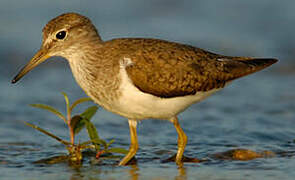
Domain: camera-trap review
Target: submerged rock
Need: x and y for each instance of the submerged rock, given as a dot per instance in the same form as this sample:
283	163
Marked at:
243	154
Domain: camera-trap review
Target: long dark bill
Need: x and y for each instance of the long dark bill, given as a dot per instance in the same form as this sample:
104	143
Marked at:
39	57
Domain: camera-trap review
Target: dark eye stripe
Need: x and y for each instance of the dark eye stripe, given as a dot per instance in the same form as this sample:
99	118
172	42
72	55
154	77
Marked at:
61	35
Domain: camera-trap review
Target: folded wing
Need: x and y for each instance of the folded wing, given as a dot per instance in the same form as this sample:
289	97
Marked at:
167	69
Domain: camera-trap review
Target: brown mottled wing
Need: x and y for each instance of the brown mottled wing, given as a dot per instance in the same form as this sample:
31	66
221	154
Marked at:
167	69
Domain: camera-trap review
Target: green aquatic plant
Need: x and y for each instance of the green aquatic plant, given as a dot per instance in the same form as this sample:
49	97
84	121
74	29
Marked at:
75	124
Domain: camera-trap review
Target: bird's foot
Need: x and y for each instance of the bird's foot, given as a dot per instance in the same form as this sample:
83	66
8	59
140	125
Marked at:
132	161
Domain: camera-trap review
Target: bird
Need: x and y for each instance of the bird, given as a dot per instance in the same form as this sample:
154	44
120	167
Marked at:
139	78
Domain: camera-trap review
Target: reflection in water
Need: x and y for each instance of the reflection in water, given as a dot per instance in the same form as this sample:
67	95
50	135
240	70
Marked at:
76	177
76	174
79	174
134	172
181	174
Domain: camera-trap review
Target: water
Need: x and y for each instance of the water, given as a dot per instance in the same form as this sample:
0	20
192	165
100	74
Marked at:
256	112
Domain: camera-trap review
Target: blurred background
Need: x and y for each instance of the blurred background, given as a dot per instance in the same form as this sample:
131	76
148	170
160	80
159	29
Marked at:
259	108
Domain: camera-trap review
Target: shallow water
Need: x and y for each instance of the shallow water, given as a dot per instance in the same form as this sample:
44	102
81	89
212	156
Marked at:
256	112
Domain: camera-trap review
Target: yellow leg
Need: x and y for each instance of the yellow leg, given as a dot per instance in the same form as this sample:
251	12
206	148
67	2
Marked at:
134	144
182	140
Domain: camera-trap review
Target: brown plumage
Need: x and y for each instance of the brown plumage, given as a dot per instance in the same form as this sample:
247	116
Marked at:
167	69
139	78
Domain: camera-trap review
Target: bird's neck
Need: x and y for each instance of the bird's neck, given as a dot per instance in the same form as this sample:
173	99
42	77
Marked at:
93	71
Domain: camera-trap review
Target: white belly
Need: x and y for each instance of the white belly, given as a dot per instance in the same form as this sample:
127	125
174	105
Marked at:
134	104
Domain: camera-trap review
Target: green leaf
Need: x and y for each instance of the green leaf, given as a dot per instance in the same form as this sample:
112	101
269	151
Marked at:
87	147
79	101
100	142
93	135
48	133
50	109
85	143
89	112
117	150
67	104
77	124
111	142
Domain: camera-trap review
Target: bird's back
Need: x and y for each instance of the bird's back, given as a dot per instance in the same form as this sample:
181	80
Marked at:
168	69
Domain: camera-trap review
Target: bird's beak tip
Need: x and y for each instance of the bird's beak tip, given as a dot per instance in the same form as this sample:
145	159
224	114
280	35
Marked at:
39	57
13	81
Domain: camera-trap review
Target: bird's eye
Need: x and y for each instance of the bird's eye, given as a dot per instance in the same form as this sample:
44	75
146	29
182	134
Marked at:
61	35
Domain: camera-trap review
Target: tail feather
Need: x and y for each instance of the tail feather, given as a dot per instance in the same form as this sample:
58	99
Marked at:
255	65
260	62
241	67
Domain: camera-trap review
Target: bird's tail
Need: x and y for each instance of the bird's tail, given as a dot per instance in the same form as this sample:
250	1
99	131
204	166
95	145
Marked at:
239	67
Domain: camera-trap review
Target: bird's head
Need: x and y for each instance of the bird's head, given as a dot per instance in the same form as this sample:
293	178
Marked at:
62	36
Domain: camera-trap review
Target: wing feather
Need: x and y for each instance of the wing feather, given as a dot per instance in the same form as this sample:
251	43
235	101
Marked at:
166	69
